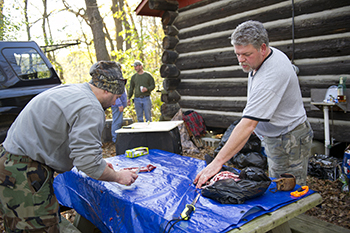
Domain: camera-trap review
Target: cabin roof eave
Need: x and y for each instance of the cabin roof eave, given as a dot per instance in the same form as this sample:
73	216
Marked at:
144	10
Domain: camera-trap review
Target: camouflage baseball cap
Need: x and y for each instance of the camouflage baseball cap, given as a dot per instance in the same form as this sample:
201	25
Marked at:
107	75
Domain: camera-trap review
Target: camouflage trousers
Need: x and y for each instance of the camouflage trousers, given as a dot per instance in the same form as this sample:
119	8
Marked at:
290	153
27	199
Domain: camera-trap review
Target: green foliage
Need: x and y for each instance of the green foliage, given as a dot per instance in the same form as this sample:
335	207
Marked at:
8	29
144	34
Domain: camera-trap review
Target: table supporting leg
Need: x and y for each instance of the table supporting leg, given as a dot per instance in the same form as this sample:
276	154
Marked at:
327	140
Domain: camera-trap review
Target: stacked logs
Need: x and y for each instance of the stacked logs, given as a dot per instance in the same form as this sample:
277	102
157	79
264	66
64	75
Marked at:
168	70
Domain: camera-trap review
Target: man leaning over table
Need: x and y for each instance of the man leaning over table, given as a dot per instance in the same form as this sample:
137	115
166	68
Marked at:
58	129
274	108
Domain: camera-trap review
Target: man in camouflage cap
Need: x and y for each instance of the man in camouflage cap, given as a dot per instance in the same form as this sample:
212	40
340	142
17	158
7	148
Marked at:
108	76
58	129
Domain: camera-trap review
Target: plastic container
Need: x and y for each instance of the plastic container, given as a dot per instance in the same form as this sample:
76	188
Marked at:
137	152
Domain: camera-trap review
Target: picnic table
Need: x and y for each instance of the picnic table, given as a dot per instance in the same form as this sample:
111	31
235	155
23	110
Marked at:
157	198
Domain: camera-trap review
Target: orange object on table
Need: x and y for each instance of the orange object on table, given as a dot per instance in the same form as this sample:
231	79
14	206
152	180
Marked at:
300	192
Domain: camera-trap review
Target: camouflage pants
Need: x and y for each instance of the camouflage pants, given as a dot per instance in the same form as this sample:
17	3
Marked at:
290	153
27	199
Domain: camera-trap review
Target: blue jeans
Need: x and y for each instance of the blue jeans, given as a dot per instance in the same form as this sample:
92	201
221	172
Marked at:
117	122
143	105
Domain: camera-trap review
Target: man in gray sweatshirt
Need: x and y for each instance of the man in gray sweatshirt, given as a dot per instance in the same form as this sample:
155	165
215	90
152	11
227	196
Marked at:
58	129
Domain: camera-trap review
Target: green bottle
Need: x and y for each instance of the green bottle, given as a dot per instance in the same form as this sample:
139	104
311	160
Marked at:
341	89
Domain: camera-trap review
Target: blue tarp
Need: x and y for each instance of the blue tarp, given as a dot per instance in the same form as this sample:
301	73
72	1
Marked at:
157	197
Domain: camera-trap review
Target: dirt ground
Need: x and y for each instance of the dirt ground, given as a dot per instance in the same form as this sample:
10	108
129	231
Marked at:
334	208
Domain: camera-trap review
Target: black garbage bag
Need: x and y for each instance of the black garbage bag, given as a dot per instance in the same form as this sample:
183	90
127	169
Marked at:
249	155
324	167
208	159
253	183
250	159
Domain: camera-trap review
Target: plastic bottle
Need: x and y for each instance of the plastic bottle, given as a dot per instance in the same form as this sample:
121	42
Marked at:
341	89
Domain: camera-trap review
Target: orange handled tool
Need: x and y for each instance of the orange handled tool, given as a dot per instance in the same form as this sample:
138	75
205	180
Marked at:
300	191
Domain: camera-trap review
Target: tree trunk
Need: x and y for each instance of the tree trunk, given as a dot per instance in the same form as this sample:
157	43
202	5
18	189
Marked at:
116	8
2	23
44	22
26	18
128	28
113	57
96	24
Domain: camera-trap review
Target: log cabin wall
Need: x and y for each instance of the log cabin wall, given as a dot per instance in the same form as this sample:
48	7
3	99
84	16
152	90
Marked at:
202	73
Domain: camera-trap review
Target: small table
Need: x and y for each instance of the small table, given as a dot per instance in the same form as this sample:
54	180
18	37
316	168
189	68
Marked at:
162	135
325	107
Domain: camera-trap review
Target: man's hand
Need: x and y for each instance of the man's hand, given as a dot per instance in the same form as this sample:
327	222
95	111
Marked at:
211	170
121	108
126	177
234	144
110	165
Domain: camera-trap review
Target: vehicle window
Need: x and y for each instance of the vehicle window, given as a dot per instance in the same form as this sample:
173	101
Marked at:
27	63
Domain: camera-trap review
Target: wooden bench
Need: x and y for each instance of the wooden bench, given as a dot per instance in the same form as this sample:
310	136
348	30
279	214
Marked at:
305	224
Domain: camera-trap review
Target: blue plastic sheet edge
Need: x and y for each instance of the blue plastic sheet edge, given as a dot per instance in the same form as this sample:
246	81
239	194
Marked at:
158	197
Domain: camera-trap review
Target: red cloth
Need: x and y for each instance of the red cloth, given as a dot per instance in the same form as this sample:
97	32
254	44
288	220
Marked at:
195	123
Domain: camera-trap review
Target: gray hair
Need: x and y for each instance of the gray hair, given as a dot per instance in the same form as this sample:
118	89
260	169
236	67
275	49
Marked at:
250	32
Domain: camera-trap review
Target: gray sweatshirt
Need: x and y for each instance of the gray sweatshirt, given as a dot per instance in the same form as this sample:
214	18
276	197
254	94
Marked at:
61	128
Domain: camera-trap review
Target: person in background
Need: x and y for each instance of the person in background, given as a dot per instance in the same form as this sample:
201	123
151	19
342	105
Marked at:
58	129
274	109
141	86
117	114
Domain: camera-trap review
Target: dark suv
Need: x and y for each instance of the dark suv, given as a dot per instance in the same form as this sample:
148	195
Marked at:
25	72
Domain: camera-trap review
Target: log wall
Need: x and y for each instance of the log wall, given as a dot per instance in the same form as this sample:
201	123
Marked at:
200	67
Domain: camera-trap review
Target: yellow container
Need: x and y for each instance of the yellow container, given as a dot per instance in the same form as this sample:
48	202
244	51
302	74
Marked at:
136	152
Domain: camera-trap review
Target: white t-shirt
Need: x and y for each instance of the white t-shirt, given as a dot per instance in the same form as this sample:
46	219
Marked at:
274	98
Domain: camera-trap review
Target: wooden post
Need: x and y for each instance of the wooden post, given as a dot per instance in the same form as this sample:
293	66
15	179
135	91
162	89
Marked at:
169	42
168	17
169	56
169	70
171	30
170	83
169	110
170	97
